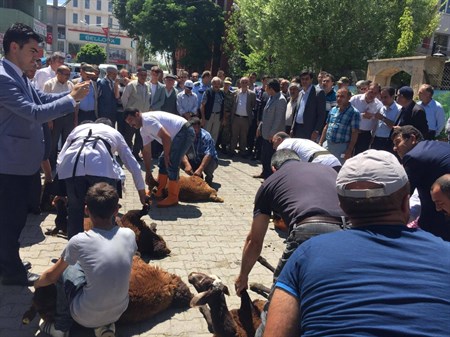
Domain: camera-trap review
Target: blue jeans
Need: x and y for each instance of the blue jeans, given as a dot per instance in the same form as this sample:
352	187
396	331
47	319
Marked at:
69	284
180	144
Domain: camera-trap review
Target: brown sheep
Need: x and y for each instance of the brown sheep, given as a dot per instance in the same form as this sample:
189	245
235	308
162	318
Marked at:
152	290
194	189
149	243
241	322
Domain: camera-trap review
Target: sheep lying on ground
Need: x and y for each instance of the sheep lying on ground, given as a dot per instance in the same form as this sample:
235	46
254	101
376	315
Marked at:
241	322
193	189
152	290
149	243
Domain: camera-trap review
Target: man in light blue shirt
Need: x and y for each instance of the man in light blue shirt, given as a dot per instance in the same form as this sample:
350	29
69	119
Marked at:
187	101
434	111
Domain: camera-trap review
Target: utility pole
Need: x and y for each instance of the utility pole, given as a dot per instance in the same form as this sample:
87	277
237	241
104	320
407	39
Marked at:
55	26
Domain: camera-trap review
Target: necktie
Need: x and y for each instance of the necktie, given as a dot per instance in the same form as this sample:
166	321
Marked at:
25	78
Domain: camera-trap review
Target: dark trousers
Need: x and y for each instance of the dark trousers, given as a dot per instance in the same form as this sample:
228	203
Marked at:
381	143
62	127
86	116
251	136
14	190
76	192
128	133
363	142
266	155
301	132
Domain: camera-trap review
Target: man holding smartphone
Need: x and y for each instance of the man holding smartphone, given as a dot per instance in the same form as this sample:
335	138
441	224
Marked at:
87	109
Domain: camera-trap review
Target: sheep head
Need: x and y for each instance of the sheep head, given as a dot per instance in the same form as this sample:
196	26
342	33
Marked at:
207	286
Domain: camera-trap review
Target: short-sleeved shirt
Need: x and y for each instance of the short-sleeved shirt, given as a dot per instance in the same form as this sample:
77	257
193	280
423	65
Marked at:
105	256
340	124
306	149
299	190
153	121
392	112
380	280
360	104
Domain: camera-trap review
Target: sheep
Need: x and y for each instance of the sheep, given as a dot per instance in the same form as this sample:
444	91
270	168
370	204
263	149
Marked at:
241	322
152	290
149	243
193	189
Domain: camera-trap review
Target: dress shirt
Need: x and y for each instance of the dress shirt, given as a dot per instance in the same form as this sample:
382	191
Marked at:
186	103
342	123
241	108
56	87
42	76
435	115
360	104
97	161
88	103
392	112
301	109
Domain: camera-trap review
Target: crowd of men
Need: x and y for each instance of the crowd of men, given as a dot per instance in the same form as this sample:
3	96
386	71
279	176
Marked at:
311	140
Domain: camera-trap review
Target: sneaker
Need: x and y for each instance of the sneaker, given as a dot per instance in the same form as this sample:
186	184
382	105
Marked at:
49	329
106	331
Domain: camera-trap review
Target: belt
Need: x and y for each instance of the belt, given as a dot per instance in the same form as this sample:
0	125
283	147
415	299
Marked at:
186	125
364	131
236	115
87	110
322	218
316	154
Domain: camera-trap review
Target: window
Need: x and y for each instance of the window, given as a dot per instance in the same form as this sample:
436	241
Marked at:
75	18
110	7
110	22
86	19
99	20
99	5
86	4
441	41
75	3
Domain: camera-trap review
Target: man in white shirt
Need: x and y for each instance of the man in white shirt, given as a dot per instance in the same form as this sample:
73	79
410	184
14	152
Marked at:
62	126
87	158
433	110
386	117
175	135
241	116
47	73
367	104
307	150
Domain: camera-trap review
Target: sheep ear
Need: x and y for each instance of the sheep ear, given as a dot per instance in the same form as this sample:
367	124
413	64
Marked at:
225	290
200	299
153	226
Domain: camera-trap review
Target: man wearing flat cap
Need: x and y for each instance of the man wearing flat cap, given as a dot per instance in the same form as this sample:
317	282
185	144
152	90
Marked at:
170	99
379	278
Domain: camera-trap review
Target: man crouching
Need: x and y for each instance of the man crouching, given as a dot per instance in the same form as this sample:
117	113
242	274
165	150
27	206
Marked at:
93	273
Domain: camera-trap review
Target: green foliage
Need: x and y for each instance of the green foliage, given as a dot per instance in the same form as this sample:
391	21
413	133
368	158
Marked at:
91	53
168	25
284	36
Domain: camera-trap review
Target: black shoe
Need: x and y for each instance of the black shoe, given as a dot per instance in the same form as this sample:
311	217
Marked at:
18	281
258	176
26	265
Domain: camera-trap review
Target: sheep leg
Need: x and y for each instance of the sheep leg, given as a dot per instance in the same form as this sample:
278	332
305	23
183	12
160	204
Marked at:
207	315
29	315
266	264
260	289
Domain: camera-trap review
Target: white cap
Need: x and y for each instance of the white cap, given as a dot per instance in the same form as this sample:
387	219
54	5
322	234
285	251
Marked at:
189	84
379	167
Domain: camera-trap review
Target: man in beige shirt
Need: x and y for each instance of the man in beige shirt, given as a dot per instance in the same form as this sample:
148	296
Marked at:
62	126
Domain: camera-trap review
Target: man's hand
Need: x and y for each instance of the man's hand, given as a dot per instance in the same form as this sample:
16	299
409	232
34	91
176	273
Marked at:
50	125
379	116
150	181
188	169
348	154
143	197
240	284
367	115
314	136
199	173
80	90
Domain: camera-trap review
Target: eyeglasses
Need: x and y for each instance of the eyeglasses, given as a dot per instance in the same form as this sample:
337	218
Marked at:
64	74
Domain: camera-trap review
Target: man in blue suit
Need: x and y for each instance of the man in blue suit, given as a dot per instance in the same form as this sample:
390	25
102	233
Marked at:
23	110
108	94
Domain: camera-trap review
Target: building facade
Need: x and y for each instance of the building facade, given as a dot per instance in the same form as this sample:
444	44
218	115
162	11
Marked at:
91	21
30	12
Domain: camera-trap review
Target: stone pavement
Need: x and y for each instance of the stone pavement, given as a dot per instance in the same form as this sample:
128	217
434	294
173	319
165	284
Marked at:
206	237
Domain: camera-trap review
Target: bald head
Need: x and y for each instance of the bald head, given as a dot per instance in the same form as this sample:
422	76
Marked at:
440	193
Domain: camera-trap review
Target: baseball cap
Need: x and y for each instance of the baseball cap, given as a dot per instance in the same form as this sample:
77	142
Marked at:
227	80
189	84
171	76
379	167
406	92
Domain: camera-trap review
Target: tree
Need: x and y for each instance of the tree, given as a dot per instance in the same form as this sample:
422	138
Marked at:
285	36
91	53
195	26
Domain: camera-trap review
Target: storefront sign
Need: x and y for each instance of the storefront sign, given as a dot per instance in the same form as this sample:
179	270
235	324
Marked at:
39	27
99	39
